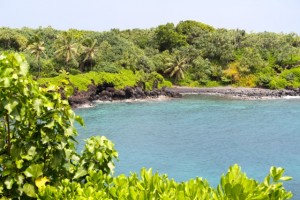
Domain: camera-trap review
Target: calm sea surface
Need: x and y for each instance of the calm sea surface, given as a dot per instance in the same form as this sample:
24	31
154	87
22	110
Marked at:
201	136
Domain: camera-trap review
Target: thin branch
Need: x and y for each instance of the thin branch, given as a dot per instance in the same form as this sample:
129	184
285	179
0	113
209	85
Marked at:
8	139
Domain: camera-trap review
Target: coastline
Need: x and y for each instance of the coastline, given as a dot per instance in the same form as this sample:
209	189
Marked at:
147	99
129	94
100	94
239	92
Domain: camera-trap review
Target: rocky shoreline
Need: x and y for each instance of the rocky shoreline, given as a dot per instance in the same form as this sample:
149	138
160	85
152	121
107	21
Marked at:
239	92
107	93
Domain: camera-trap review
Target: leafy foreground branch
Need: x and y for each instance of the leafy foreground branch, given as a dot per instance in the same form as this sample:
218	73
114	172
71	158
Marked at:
38	157
234	185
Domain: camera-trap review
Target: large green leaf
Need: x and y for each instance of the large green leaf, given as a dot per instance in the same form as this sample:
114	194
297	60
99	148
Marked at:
19	163
34	171
30	154
79	120
10	106
29	190
9	181
286	178
69	131
37	104
32	151
20	179
79	173
24	67
6	82
50	125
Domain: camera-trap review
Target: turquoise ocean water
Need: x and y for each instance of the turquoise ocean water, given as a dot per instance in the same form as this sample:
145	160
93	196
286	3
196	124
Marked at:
201	136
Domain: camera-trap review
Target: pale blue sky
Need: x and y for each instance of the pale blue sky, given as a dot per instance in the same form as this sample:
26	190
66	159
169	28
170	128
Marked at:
99	15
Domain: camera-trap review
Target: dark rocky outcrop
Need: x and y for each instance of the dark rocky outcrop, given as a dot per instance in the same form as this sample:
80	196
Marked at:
108	93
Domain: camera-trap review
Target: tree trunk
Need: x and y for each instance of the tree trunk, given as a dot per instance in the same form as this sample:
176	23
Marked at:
39	67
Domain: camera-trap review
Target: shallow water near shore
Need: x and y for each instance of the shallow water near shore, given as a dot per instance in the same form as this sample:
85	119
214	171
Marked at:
201	136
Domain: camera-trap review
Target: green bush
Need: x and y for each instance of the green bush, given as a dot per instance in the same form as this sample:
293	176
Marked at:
81	81
292	76
75	71
247	81
152	80
263	80
37	135
120	80
147	185
189	81
212	84
278	83
236	185
109	68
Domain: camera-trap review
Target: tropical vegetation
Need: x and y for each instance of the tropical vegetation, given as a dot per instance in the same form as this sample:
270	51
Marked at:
38	157
190	53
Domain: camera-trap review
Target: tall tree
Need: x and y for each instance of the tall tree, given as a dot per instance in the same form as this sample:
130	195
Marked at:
220	46
37	48
10	39
193	30
67	48
90	49
176	67
167	38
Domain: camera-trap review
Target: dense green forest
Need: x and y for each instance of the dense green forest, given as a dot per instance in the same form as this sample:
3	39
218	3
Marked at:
190	53
38	157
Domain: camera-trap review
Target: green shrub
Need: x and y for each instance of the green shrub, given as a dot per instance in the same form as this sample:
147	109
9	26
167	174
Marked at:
278	83
120	80
37	135
109	68
152	80
165	83
296	84
212	84
236	185
247	81
292	76
263	80
189	82
74	71
81	81
147	185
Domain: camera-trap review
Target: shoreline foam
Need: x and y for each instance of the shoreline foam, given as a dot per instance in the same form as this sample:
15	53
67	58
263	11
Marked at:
147	99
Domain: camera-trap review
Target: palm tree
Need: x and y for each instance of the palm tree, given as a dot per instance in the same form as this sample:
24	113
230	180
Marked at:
67	48
176	67
37	48
89	50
